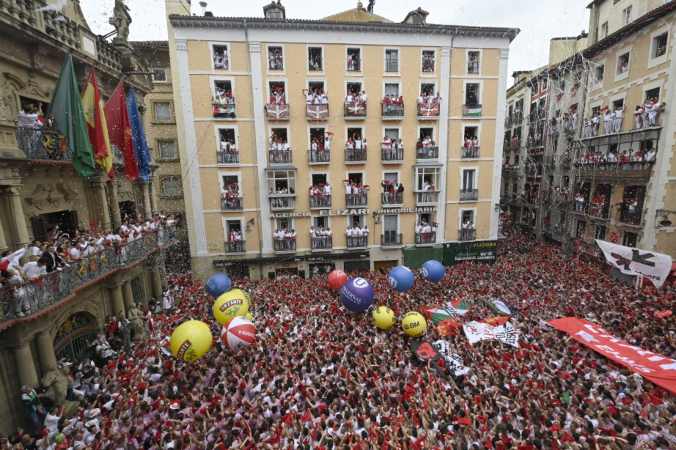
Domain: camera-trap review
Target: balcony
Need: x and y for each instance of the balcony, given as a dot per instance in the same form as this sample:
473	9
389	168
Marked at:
391	239
469	195
319	156
391	154
280	157
275	112
320	201
41	143
425	238
392	109
469	152
471	110
231	202
317	113
56	286
355	156
223	109
281	202
223	157
467	234
427	152
426	198
359	200
631	216
354	110
357	241
615	171
235	247
429	110
322	243
284	245
391	198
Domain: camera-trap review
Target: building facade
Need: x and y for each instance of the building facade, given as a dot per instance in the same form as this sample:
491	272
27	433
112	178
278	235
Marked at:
40	190
271	110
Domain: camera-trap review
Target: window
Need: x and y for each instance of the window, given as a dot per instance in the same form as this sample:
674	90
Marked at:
426	133
353	87
392	90
652	94
391	60
319	179
282	182
353	59
467	217
598	74
221	57
230	183
275	58
623	63
162	112
284	223
315	59
166	148
354	133
391	178
390	227
170	186
629	239
232	226
320	222
472	94
277	92
626	15
427	89
226	137
279	135
392	133
159	75
223	91
473	58
604	29
427	179
468	179
428	61
600	232
659	45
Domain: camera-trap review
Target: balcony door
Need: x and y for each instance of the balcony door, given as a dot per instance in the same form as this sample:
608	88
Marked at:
468	179
390	228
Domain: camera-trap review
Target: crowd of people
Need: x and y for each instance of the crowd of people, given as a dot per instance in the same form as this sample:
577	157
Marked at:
320	377
645	116
594	156
425	232
284	239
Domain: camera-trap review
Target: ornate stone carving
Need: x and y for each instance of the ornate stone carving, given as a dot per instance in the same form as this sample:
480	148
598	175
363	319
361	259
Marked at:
56	384
121	20
138	328
9	102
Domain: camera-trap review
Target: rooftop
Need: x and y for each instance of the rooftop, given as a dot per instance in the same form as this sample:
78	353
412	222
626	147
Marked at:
356	15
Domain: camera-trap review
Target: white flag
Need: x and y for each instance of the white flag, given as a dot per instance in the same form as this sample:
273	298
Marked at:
454	361
632	261
479	331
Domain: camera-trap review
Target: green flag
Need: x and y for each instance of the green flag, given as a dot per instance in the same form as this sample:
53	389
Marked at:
69	120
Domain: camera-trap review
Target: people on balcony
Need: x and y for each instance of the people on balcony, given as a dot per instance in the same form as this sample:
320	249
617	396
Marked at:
428	104
355	231
645	116
426	147
393	148
277	97
579	202
223	97
355	102
393	105
275	59
231	196
426	231
320	237
316	96
356	146
235	236
221	58
280	151
630	156
320	191
285	239
355	188
228	148
392	190
471	146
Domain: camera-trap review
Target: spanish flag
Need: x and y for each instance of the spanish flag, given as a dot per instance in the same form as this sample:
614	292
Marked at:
92	105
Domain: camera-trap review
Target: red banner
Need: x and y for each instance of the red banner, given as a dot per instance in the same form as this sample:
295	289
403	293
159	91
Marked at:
651	366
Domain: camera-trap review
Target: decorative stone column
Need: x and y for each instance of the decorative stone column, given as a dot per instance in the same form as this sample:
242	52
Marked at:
99	188
148	209
156	279
25	365
117	299
115	215
3	239
128	295
16	207
46	352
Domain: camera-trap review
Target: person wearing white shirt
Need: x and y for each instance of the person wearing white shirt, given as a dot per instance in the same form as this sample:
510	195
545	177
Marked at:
34	269
617	120
327	189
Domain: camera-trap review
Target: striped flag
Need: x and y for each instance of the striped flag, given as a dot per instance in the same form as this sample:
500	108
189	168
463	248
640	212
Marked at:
95	116
459	307
437	315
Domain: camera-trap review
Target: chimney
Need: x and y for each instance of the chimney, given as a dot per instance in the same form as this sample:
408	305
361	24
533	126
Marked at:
274	11
416	17
203	8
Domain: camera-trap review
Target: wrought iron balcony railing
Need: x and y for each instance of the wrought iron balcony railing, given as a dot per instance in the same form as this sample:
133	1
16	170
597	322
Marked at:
391	239
391	198
356	200
470	152
392	111
320	201
319	156
428	152
42	143
469	195
231	202
423	238
235	247
282	201
223	110
423	198
391	153
287	244
223	157
322	242
353	155
357	241
280	156
467	234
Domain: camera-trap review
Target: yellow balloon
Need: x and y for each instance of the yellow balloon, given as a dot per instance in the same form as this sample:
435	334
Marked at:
233	303
383	317
190	340
249	316
414	324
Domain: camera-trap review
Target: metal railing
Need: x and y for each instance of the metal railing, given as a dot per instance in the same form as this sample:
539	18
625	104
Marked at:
429	152
319	156
357	241
467	234
356	200
282	201
391	198
35	296
390	153
472	110
235	247
469	194
287	244
317	112
391	238
470	152
320	201
223	157
223	110
280	156
392	110
631	217
41	143
430	111
355	155
354	110
274	111
231	203
423	238
426	197
322	242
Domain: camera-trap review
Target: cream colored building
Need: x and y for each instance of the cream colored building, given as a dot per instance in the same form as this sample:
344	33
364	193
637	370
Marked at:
234	184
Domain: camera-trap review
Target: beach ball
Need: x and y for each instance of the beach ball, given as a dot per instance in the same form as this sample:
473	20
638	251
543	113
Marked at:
401	278
240	332
217	284
433	270
414	324
337	279
232	304
383	318
190	340
356	294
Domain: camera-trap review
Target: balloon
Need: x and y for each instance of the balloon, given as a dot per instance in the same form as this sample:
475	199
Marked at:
240	332
190	340
357	294
383	317
414	324
337	279
249	316
401	278
217	284
230	305
433	270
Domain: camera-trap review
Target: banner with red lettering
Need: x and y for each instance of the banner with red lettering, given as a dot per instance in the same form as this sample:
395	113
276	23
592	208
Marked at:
651	366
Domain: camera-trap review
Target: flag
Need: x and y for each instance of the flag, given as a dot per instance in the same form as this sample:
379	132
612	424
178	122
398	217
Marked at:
69	120
92	105
424	351
479	331
495	321
459	307
448	327
500	306
453	360
119	130
632	261
138	137
437	315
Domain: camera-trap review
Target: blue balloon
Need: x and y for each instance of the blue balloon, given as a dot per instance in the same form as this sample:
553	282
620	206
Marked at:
401	278
433	270
356	295
217	284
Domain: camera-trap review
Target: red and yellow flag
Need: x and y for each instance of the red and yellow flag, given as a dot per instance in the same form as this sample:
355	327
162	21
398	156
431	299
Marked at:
95	116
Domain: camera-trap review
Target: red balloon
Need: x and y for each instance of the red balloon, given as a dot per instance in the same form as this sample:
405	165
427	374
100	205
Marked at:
337	278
